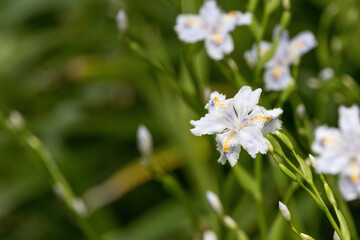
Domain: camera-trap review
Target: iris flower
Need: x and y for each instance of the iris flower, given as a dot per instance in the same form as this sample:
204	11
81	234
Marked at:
277	70
237	121
213	26
339	151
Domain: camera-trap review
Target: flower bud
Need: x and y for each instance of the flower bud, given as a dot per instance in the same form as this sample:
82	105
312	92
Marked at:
326	74
209	235
122	21
230	222
285	212
336	236
300	111
144	141
286	4
312	160
79	207
306	237
15	121
215	203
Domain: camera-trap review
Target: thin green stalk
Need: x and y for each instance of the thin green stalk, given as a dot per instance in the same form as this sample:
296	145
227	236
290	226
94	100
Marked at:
33	144
259	202
172	185
344	208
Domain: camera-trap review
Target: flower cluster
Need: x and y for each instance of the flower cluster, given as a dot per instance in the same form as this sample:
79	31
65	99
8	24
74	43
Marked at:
213	26
339	151
238	121
277	70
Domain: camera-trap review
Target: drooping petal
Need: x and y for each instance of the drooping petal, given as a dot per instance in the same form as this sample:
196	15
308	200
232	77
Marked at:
210	13
277	78
301	44
209	124
348	189
252	54
219	45
266	120
331	162
327	139
245	100
252	141
349	122
228	145
190	28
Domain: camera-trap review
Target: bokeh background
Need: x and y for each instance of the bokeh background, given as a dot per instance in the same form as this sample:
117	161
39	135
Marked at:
84	91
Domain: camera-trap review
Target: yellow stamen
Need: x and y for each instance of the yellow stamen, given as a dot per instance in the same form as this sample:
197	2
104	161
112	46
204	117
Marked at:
327	140
190	21
277	73
218	103
227	142
218	39
233	14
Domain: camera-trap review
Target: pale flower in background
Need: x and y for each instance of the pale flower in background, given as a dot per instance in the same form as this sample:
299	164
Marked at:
339	151
122	21
277	74
326	74
213	26
238	121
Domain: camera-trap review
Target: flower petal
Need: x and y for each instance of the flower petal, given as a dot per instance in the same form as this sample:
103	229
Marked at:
327	139
277	78
209	124
245	100
217	102
210	13
251	55
252	141
190	28
218	45
228	145
243	18
301	44
331	162
348	189
349	122
280	57
265	120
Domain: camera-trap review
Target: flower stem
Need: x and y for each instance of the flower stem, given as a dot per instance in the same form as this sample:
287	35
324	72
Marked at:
259	201
33	144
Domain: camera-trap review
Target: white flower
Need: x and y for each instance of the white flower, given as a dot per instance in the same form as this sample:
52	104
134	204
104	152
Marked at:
277	70
339	151
238	121
209	235
122	21
213	26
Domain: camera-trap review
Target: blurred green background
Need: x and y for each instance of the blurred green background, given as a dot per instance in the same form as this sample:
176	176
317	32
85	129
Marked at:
83	92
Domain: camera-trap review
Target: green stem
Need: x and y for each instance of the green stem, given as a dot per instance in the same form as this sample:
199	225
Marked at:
172	185
344	208
259	201
29	141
